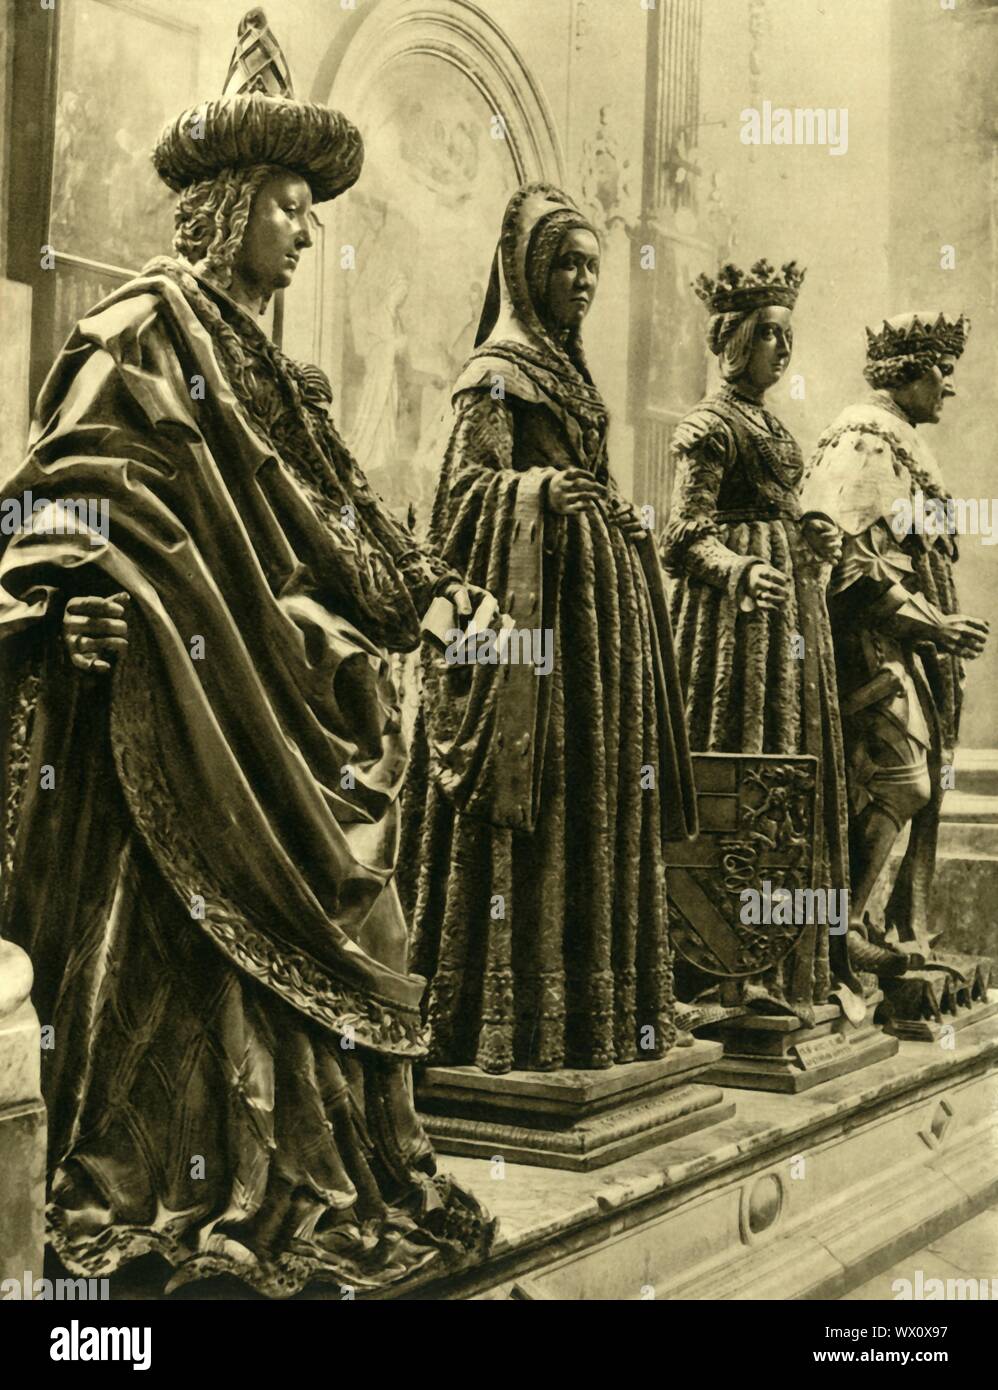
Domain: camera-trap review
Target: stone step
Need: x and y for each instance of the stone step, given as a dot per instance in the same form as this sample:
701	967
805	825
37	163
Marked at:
22	1123
968	840
969	806
976	771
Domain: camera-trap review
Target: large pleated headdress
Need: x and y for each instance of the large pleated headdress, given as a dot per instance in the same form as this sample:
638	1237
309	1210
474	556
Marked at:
257	120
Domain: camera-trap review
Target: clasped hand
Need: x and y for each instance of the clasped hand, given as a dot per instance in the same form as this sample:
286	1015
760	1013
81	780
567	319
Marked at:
768	587
965	636
824	538
466	598
574	491
95	631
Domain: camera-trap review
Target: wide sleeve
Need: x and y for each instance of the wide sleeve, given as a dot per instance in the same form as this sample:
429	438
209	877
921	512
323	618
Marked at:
479	469
423	572
702	450
490	521
252	730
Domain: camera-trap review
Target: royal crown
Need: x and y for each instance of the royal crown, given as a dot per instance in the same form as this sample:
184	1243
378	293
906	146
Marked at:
917	335
736	290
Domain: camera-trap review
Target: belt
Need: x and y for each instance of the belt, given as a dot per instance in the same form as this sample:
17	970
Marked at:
772	513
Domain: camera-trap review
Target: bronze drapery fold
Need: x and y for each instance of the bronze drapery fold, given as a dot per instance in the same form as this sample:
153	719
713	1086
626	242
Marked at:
204	879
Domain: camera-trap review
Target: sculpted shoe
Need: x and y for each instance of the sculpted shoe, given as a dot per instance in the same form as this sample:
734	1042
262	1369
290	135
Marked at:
882	961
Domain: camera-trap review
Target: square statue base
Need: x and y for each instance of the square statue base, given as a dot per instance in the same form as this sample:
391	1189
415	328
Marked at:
768	1052
579	1120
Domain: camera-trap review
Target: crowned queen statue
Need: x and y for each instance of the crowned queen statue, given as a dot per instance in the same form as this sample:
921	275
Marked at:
757	666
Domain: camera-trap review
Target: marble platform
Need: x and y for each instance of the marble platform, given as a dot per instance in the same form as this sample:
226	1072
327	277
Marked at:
22	1122
796	1197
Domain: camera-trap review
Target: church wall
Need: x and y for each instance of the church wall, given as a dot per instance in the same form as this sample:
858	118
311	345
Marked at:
944	194
6	56
829	212
579	68
15	299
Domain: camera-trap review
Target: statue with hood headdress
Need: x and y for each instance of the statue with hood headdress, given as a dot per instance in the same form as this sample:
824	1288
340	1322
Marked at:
540	804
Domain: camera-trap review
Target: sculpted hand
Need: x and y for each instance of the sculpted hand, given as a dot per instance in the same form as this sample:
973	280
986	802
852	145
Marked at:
768	586
95	631
824	538
965	636
573	491
465	597
628	520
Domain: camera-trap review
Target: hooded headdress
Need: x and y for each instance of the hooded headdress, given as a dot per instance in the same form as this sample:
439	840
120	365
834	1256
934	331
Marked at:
258	121
514	328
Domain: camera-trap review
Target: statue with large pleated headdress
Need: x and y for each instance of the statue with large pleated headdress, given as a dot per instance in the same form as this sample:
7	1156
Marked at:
205	884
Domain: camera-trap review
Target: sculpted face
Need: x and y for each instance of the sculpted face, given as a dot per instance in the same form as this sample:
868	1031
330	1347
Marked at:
276	235
771	348
922	400
573	278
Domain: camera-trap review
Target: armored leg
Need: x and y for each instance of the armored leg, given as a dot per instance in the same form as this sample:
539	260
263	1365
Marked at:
888	784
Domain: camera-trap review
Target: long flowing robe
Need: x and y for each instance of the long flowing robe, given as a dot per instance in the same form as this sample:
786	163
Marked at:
868	460
747	690
539	804
199	849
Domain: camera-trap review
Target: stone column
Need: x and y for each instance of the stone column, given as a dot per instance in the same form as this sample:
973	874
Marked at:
677	236
15	358
22	1122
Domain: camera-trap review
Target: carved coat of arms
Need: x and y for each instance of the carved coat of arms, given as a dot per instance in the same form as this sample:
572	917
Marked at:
757	822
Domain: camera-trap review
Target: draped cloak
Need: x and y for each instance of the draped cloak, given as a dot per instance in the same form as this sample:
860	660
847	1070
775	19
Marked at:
199	847
538	805
749	688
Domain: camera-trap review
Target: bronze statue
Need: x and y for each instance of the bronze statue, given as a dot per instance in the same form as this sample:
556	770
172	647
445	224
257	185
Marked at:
539	804
754	646
900	637
204	759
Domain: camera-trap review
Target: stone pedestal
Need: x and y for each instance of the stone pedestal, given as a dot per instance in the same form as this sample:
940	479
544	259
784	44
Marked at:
22	1122
777	1053
923	1017
577	1120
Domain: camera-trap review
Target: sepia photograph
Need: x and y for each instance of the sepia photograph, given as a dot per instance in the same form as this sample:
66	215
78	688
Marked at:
498	718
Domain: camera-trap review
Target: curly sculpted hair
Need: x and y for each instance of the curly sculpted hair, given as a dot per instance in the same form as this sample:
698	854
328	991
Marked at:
211	217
